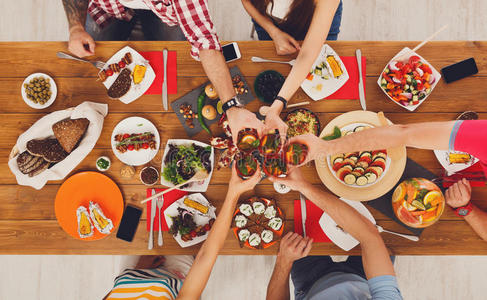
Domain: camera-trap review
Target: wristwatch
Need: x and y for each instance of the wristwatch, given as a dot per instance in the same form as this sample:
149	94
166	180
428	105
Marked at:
234	102
463	211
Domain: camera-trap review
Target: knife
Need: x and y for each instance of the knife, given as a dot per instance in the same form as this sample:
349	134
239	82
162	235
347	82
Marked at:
153	209
361	92
302	200
164	83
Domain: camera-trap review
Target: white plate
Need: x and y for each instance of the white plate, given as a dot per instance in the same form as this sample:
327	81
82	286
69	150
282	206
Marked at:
53	91
350	127
198	218
339	237
136	90
330	85
200	186
135	125
407	53
442	157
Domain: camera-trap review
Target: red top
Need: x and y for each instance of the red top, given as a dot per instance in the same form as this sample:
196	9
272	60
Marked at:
191	15
471	137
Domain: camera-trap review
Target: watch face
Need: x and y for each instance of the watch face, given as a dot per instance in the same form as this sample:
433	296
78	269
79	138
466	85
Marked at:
463	212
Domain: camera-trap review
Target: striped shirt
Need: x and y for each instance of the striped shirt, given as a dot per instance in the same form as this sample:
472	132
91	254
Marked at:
145	284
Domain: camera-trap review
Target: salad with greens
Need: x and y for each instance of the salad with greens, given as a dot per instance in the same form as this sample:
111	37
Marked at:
183	161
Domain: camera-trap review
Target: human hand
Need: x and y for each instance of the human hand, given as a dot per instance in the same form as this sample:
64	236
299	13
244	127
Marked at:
458	194
315	147
240	118
273	121
284	43
238	185
293	247
80	42
294	180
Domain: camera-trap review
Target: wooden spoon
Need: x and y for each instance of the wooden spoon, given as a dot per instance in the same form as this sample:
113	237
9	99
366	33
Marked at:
198	176
394	152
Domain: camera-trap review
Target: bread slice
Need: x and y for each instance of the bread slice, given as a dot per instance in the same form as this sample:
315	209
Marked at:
39	147
24	169
38	161
24	158
69	132
55	153
41	168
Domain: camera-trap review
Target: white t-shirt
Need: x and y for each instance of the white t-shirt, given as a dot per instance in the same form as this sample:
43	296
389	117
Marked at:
134	4
281	8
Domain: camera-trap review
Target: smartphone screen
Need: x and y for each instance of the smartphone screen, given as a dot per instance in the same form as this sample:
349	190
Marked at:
459	70
129	223
229	52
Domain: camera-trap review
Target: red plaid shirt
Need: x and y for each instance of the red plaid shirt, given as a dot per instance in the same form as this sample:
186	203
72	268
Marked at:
191	15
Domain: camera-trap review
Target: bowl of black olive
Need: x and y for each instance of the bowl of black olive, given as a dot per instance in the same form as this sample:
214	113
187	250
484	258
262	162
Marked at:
267	85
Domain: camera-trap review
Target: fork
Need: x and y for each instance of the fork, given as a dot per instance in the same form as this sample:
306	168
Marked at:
260	59
96	64
160	203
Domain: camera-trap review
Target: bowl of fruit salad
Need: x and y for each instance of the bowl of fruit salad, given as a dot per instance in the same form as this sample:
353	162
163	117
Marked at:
418	202
408	79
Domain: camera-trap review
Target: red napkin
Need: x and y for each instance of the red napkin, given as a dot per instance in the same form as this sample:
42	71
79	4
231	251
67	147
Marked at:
465	173
350	89
156	61
169	198
313	228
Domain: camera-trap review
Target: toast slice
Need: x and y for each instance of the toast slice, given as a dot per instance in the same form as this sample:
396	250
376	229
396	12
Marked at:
41	168
69	132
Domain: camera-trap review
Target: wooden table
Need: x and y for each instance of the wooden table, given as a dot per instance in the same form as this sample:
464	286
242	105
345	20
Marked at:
27	221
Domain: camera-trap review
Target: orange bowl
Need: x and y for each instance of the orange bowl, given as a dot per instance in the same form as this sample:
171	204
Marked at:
418	202
82	188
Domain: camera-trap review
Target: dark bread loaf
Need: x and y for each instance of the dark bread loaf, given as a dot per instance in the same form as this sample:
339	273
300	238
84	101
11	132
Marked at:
69	132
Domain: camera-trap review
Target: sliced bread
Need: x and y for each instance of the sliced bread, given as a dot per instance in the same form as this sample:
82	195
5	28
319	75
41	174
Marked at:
69	132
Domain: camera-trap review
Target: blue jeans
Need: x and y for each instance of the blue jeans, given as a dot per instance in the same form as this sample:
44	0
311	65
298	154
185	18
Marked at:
153	28
332	34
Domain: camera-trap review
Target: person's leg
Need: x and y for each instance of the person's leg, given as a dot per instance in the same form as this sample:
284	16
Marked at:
261	33
307	270
156	30
335	24
117	30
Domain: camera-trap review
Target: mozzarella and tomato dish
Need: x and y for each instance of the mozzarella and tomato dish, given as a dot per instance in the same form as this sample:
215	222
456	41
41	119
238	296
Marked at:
408	82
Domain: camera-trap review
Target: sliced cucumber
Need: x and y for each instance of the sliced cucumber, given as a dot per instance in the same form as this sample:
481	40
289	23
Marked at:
361	181
338	160
350	179
371	177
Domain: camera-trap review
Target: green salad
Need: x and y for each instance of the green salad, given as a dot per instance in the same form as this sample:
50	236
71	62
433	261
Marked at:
183	161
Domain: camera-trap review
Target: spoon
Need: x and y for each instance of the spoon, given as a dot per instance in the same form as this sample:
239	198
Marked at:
406	236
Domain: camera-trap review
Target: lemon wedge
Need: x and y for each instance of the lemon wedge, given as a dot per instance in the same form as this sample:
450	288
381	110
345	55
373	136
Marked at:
431	196
398	194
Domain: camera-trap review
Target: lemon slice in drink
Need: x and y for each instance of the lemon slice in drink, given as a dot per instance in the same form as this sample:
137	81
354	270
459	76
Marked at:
399	193
418	204
431	196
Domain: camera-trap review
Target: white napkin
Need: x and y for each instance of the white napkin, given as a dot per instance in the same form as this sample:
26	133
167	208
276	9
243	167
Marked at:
94	112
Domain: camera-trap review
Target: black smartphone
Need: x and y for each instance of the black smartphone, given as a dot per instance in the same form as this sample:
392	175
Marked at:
231	52
459	70
129	223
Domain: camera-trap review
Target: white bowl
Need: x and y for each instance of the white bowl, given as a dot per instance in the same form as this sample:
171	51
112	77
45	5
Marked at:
405	54
37	105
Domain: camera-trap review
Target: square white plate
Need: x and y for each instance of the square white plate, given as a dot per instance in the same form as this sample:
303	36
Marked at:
195	186
405	54
330	85
136	90
198	218
442	157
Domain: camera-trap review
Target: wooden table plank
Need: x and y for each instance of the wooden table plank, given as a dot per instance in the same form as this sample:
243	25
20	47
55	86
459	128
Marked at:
46	237
73	91
23	58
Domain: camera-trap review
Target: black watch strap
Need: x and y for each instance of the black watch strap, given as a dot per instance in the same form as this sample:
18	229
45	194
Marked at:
229	104
284	101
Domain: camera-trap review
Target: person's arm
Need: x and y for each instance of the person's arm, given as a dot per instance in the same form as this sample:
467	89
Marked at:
292	247
80	42
284	43
459	195
375	256
432	136
199	273
311	47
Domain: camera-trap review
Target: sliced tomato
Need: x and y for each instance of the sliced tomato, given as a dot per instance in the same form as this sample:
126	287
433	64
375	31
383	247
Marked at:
414	59
378	164
407	68
386	77
419	85
426	68
367	159
399	65
337	166
309	77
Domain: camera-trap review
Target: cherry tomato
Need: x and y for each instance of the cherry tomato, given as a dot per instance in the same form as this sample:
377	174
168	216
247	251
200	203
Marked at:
207	227
419	85
126	136
398	75
426	68
145	145
399	65
414	60
109	72
193	233
121	64
130	147
406	68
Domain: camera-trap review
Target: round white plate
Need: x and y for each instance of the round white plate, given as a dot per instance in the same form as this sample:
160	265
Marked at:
329	86
135	125
350	127
442	157
199	186
338	236
53	91
198	218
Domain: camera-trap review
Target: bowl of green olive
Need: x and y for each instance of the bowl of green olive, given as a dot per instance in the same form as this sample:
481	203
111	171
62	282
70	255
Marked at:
39	90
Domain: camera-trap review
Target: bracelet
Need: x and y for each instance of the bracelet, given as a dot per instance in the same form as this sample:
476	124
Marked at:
284	101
